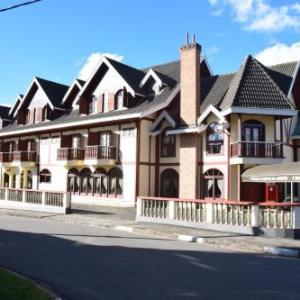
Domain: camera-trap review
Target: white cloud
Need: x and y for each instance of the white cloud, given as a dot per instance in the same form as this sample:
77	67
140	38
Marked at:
89	64
259	15
279	53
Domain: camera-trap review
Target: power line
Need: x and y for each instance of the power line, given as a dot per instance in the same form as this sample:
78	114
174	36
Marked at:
19	5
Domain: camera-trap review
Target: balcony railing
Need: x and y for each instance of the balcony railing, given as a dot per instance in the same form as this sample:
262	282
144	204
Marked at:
70	154
18	156
100	152
257	149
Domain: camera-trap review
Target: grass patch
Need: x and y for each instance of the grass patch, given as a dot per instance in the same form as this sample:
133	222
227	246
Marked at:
13	287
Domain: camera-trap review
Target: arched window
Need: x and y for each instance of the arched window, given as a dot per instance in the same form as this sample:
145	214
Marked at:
86	181
100	182
73	181
6	180
119	99
253	134
115	182
167	145
215	138
169	181
213	184
45	176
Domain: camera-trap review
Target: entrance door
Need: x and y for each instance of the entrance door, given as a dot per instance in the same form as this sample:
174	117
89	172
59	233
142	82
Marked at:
253	136
252	192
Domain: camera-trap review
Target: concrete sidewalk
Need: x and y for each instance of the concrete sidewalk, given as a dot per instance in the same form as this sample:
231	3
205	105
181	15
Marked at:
124	219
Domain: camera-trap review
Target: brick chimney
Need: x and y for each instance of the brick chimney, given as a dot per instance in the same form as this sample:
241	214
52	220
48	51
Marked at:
190	82
189	112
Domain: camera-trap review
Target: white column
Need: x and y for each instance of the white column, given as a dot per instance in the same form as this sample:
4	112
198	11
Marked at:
10	185
255	216
296	217
18	178
209	212
171	214
139	207
292	192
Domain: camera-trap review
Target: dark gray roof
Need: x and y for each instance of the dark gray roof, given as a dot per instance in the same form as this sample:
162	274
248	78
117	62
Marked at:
170	69
283	74
297	127
81	82
253	87
132	75
75	116
55	91
213	89
4	110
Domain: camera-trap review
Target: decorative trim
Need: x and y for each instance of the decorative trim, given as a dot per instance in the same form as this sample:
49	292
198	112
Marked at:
259	111
211	109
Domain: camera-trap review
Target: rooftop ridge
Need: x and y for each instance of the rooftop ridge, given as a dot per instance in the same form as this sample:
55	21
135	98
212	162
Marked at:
51	81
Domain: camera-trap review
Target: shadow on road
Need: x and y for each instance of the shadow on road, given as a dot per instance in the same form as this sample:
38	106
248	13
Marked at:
137	271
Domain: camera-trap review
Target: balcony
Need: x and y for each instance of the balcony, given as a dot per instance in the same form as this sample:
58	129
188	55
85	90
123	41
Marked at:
22	159
100	155
256	152
70	156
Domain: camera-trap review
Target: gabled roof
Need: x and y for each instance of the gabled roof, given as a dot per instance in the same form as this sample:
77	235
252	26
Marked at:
14	108
73	91
253	87
54	91
131	75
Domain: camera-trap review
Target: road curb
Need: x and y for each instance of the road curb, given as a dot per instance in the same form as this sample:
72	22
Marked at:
187	238
281	251
124	228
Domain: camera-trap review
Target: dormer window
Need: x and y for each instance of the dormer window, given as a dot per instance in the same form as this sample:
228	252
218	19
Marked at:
215	139
119	99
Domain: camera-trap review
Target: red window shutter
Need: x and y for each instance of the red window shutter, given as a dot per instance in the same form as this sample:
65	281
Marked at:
94	138
125	100
83	105
22	117
66	141
22	145
111	101
100	103
32	144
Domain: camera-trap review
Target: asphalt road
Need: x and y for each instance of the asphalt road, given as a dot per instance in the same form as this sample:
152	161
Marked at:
80	262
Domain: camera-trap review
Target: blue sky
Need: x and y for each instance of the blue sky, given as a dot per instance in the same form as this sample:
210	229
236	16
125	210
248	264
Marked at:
55	38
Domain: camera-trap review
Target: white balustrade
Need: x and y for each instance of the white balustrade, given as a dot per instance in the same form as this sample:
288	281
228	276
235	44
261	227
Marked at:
219	213
52	202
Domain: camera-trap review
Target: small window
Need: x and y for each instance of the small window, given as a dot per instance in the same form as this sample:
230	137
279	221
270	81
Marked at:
168	145
214	139
128	132
54	140
119	100
106	138
45	176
